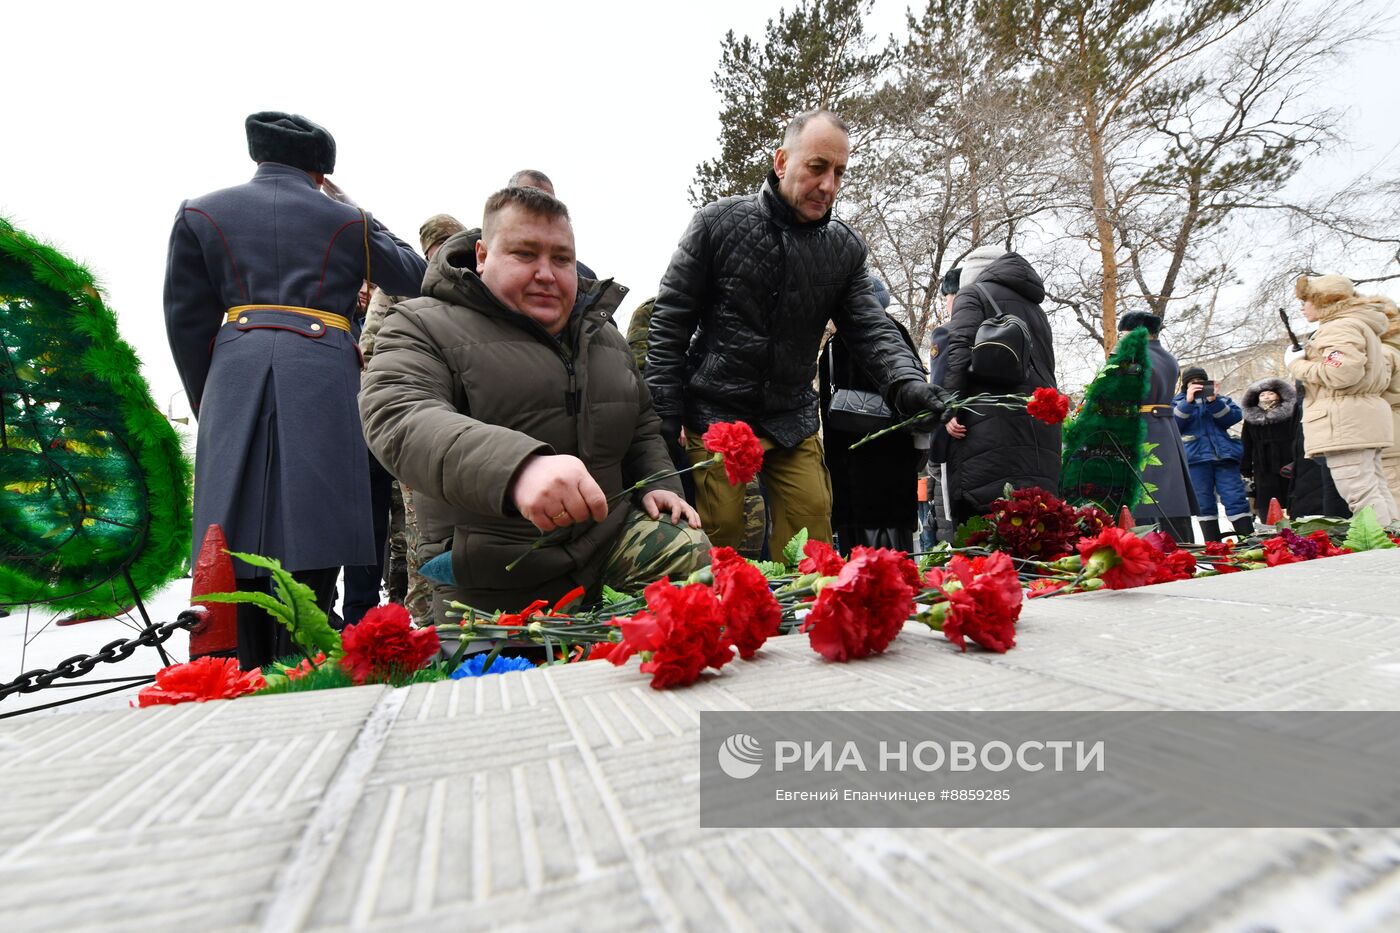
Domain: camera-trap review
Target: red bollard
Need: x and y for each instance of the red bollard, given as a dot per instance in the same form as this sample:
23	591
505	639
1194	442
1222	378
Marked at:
213	573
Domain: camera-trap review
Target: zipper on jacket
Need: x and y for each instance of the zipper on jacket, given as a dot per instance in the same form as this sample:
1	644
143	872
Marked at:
572	403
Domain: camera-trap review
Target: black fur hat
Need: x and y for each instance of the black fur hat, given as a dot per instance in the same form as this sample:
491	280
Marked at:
951	280
290	139
1135	319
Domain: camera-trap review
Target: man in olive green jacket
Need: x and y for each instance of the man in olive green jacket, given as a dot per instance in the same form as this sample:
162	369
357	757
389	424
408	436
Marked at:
509	404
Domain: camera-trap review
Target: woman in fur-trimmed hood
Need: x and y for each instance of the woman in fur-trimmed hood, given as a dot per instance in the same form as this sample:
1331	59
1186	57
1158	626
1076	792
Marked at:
1267	437
1390	343
1345	369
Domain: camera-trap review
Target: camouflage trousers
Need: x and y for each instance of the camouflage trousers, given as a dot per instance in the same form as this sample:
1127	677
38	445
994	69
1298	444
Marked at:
755	523
419	600
649	549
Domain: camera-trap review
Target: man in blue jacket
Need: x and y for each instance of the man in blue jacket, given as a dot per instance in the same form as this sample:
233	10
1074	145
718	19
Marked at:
1212	454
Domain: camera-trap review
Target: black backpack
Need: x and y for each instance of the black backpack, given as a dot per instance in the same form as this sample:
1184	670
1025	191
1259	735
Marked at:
1001	349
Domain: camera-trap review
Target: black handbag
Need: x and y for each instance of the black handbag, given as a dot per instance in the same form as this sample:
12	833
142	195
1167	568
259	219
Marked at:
855	411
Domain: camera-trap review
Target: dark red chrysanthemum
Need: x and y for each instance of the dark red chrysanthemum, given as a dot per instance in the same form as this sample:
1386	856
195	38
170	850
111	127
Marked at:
384	644
982	607
681	634
821	558
206	678
751	612
1091	520
865	607
740	448
1120	558
1048	405
1034	524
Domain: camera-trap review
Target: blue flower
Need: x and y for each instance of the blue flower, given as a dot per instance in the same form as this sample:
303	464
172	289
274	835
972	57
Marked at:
472	666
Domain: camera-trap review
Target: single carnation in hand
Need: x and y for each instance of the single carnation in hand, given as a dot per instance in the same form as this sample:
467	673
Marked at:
740	449
384	644
202	679
1120	558
680	634
865	607
751	612
1048	405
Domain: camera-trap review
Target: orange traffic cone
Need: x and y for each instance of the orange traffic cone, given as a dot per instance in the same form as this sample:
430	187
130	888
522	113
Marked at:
1275	513
213	573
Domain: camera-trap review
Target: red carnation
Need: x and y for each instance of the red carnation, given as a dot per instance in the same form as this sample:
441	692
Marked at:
751	613
601	651
1119	557
821	558
384	644
1325	547
866	606
680	636
206	678
1174	565
1048	405
1046	587
1221	551
735	442
306	666
982	607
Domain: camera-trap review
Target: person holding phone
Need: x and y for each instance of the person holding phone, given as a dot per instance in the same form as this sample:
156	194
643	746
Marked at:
1212	455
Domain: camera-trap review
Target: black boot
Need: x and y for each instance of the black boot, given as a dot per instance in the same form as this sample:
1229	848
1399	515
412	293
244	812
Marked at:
1242	524
1210	529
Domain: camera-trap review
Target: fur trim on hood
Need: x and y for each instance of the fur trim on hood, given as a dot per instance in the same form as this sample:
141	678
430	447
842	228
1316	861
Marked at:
1287	399
1323	290
1371	309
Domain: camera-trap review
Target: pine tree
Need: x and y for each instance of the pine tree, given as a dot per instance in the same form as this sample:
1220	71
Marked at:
817	56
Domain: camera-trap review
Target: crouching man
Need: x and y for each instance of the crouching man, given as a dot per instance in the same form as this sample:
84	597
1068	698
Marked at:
508	403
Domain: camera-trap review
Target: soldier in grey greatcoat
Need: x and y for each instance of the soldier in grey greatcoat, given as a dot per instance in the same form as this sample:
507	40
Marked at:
261	288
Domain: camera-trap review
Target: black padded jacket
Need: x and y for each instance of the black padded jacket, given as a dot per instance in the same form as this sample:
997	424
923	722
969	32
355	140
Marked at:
740	314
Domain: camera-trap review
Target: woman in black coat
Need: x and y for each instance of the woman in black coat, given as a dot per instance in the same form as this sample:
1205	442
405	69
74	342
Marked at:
874	494
996	446
1268	434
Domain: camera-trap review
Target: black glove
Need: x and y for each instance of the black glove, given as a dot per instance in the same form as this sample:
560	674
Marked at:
914	397
671	430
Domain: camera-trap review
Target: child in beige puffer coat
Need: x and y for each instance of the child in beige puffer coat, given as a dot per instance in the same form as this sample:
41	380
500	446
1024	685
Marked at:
1346	370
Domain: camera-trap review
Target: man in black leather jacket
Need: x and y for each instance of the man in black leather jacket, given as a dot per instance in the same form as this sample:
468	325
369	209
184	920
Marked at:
739	319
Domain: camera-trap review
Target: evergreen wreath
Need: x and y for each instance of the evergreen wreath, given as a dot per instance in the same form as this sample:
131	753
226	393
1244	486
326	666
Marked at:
93	481
1105	441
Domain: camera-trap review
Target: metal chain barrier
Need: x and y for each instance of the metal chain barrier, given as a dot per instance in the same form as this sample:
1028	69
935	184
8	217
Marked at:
119	650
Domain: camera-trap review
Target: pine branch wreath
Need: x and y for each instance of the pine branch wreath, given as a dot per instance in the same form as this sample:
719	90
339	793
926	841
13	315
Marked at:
1104	453
93	480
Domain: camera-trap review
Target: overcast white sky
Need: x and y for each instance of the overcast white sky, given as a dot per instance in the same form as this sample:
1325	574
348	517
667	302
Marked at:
114	113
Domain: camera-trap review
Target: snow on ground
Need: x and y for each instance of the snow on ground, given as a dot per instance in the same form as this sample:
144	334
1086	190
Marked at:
30	639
